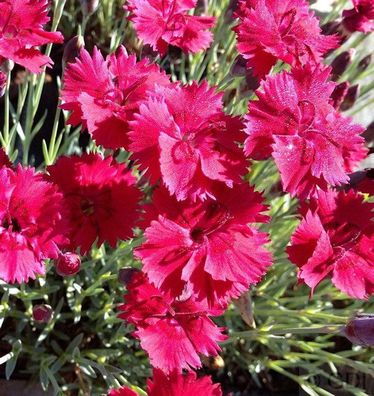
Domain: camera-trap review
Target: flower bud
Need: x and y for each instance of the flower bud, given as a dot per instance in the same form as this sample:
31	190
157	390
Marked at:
368	135
42	313
89	6
6	66
360	330
364	63
329	28
341	63
125	275
3	79
350	98
339	93
72	49
68	264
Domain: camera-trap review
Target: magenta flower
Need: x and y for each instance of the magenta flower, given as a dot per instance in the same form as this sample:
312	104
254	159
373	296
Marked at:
172	331
271	30
336	239
21	33
104	95
31	229
182	136
361	17
162	22
174	384
101	199
206	249
311	143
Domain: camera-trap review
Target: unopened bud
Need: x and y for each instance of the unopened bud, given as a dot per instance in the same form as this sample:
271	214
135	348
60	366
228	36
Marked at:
364	63
89	6
42	313
338	95
68	264
3	79
332	27
368	135
350	98
6	66
125	275
340	64
239	67
72	49
360	330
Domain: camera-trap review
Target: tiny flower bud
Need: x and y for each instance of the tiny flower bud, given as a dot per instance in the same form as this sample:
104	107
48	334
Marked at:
340	63
89	6
126	274
368	135
42	313
360	330
339	93
332	27
6	66
72	49
364	63
239	67
350	98
68	264
3	79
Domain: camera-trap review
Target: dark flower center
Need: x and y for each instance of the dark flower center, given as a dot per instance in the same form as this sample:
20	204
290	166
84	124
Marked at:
11	224
87	207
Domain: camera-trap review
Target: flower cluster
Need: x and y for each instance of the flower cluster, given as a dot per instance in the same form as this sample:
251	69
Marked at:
201	219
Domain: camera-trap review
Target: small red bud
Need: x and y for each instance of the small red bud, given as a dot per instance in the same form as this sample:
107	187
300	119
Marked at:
42	313
350	98
360	330
341	63
68	264
72	49
339	93
126	274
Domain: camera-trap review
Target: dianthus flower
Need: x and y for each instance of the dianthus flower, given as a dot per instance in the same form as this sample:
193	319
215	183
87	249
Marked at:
312	144
361	17
182	135
100	196
21	32
103	95
174	384
206	249
30	223
172	331
336	239
272	30
162	22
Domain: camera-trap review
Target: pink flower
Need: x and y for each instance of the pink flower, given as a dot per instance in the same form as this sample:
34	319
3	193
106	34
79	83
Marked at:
124	391
361	17
104	95
100	196
206	249
163	22
336	238
30	224
174	384
311	143
21	32
182	135
269	30
177	384
172	331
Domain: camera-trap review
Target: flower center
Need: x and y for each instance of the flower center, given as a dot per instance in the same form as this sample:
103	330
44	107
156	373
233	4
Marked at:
87	207
11	224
